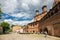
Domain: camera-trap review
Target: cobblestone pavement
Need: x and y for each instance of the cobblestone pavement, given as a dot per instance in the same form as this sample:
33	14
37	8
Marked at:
15	36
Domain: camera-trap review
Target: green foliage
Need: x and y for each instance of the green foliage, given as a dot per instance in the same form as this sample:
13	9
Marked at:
10	30
6	26
12	26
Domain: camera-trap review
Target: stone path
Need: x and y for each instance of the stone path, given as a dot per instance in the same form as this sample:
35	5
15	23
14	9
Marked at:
15	36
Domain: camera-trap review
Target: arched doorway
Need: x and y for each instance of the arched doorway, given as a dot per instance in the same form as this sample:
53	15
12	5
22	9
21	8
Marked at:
33	31
46	30
40	30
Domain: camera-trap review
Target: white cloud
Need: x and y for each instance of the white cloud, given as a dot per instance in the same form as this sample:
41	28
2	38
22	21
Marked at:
9	6
50	3
36	2
26	1
25	6
9	21
33	2
22	14
18	22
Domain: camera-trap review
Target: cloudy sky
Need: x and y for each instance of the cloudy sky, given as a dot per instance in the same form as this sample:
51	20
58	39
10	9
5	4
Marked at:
22	12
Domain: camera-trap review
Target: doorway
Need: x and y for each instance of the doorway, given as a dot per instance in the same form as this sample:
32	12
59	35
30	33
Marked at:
46	30
40	30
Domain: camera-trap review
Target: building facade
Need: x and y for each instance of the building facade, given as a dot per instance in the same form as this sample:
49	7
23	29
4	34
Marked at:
33	27
46	21
16	28
51	21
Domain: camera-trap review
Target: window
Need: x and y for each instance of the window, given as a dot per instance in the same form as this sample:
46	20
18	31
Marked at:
52	13
33	31
27	31
40	30
56	10
48	15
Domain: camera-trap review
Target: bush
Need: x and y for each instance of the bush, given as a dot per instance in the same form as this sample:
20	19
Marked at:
6	27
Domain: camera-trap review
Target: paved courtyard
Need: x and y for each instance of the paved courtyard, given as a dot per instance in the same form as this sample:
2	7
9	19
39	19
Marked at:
15	36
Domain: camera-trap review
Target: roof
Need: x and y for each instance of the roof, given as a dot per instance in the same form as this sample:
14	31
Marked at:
39	14
33	22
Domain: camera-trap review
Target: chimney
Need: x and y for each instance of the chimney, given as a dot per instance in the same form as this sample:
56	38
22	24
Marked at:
37	12
44	8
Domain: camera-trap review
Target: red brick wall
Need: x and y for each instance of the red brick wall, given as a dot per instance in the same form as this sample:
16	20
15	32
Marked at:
49	24
39	17
33	27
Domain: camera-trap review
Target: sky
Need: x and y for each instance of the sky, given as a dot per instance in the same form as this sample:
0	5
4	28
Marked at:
22	12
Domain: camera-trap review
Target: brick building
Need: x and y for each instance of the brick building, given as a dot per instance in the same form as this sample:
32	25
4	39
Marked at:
25	29
46	21
39	16
33	27
51	21
16	28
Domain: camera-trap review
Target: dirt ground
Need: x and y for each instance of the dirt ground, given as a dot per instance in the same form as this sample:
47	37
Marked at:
16	36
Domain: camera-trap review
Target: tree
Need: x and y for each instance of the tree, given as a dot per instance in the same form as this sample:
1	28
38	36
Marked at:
6	26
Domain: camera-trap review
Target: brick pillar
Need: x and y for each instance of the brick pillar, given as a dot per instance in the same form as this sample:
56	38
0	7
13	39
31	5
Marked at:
52	31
